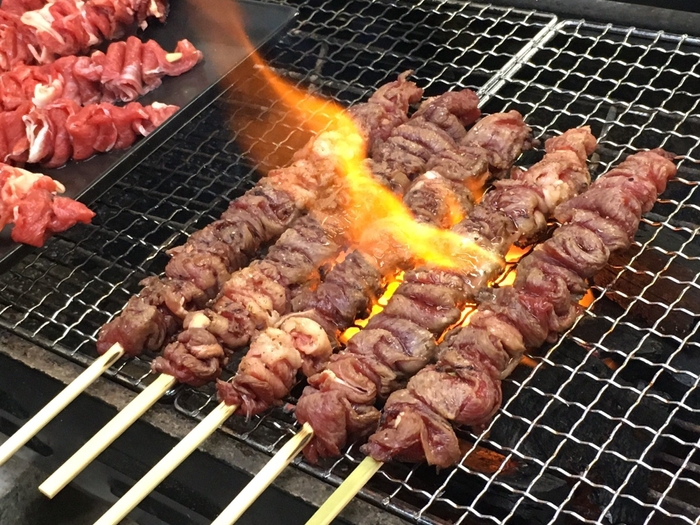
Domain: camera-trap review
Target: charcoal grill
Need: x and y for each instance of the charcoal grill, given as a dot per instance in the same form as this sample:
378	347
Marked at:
605	427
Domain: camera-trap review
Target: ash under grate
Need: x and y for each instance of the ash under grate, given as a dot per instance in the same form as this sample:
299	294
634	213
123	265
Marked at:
542	460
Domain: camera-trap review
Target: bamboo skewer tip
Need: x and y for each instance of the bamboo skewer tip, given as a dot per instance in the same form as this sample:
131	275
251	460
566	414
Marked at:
107	435
263	479
173	57
54	407
345	492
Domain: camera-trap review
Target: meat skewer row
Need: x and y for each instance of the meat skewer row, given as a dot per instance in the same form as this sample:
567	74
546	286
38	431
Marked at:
70	27
253	219
361	276
231	321
199	268
61	131
255	297
326	308
30	201
404	345
417	422
335	302
401	340
127	70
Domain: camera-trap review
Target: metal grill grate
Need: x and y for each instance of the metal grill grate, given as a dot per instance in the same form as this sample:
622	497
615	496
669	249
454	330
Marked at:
606	427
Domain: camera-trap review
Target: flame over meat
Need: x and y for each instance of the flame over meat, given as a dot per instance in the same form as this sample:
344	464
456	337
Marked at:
376	215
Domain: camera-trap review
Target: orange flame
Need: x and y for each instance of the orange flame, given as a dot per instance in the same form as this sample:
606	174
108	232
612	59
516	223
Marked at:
379	218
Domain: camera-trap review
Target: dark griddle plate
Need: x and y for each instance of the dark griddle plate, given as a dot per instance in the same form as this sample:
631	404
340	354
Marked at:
192	91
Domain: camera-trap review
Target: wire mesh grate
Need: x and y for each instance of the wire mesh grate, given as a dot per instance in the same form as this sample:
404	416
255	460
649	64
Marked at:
605	428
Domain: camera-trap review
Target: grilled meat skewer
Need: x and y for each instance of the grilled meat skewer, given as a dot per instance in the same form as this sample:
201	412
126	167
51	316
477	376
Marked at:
199	268
263	379
401	340
463	388
253	299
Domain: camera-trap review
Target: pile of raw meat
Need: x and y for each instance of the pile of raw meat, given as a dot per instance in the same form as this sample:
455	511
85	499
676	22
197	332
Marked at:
57	101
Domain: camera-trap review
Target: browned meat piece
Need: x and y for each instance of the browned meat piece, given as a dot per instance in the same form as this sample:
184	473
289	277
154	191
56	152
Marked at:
432	196
503	136
452	112
333	419
386	108
196	358
348	290
433	129
421	432
463	387
142	326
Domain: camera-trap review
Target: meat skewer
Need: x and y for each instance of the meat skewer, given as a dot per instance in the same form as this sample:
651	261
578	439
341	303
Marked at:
569	168
61	131
254	297
127	70
199	267
30	201
70	27
251	220
541	304
341	300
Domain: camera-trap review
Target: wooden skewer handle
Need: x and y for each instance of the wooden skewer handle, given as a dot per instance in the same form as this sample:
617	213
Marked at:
343	494
54	407
106	436
165	466
265	477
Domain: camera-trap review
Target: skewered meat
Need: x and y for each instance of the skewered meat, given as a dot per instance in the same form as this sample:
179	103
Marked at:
251	299
233	321
29	201
463	387
63	130
69	27
252	220
335	303
411	145
267	372
126	71
381	357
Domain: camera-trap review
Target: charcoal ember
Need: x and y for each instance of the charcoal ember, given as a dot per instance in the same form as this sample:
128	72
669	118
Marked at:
573	435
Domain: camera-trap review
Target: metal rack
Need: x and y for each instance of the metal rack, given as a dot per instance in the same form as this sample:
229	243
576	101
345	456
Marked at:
605	427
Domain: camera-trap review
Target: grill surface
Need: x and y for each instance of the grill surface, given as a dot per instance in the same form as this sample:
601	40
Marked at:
605	427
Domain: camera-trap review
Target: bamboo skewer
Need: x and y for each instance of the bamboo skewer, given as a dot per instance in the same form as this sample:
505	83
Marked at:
265	477
165	466
345	492
110	432
106	436
54	407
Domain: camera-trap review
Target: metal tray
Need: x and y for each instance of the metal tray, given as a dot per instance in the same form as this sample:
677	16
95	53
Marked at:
192	91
